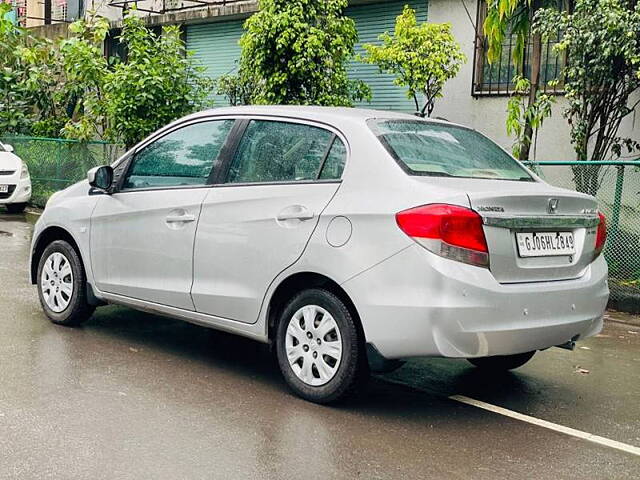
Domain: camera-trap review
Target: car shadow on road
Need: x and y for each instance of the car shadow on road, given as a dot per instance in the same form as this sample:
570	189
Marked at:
183	340
243	361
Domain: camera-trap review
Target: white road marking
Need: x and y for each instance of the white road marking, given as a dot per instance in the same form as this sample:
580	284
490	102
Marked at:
549	425
624	447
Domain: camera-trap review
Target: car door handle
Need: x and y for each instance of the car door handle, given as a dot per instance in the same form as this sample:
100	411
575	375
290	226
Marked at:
295	212
180	218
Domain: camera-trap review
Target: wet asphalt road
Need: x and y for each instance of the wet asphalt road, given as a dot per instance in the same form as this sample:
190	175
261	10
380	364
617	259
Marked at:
135	396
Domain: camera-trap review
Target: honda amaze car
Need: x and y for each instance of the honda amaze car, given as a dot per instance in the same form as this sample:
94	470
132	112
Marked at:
15	182
348	239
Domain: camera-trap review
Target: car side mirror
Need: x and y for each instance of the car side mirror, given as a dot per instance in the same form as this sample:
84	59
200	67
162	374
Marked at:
8	148
101	178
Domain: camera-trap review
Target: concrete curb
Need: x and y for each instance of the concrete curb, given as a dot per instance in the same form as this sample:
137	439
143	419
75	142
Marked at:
33	211
612	316
624	299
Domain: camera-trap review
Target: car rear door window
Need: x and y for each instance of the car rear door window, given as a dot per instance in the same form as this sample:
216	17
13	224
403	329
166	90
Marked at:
273	151
183	157
334	164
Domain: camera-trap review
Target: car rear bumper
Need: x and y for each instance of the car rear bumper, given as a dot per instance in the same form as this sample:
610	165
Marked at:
19	190
418	304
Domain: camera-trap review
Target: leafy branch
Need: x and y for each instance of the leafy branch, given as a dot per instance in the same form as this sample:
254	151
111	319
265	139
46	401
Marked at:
421	56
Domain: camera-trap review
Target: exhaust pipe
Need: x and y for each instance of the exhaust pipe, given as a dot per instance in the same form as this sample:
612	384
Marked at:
571	344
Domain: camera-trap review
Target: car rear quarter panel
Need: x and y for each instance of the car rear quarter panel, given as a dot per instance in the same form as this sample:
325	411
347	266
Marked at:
374	188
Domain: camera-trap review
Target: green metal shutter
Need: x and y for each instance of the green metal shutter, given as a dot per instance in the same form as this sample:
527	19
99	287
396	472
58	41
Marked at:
215	46
371	21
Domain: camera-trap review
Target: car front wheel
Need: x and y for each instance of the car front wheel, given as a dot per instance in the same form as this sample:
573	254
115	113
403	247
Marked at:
502	362
319	350
62	285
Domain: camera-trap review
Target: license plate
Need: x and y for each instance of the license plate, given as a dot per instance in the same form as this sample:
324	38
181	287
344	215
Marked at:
545	244
4	188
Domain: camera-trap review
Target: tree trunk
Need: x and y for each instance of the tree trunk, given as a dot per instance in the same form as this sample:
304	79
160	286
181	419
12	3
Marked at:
536	58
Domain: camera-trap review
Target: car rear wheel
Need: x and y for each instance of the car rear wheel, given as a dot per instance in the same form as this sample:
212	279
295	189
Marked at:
502	362
62	285
319	349
16	207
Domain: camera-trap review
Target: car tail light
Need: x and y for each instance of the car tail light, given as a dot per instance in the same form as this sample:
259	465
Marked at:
447	230
601	235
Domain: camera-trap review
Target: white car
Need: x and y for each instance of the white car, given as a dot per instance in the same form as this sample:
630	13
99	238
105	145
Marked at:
15	182
348	239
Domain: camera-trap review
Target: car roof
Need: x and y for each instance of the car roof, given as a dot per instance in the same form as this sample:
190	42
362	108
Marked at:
330	115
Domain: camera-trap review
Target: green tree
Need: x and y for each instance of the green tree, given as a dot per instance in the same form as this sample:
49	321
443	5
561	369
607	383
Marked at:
29	74
13	101
513	17
158	83
85	73
521	115
421	56
238	88
601	40
296	52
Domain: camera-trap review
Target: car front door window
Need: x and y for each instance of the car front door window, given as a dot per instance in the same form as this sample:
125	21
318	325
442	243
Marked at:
184	157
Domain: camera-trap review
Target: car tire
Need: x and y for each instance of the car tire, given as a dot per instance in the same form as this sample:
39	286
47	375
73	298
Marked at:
16	207
502	363
62	285
327	361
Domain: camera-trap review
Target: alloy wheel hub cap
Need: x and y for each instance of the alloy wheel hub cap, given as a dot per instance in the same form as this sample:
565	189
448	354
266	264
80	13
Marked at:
313	345
57	282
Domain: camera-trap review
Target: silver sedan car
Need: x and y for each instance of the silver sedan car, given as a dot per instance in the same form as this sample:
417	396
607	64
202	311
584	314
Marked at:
347	239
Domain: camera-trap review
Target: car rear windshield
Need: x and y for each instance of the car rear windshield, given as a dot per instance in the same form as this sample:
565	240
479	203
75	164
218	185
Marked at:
426	148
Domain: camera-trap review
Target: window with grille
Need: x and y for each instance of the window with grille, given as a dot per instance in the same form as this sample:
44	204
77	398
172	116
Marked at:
497	78
58	10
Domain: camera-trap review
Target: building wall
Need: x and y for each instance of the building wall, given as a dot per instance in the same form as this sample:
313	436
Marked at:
104	10
52	31
59	12
35	8
213	13
488	114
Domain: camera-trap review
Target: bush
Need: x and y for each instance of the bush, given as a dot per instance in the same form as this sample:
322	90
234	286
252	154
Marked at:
157	84
296	53
70	89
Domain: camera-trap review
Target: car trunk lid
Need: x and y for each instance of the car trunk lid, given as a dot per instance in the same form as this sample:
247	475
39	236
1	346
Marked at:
537	233
509	208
